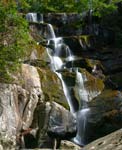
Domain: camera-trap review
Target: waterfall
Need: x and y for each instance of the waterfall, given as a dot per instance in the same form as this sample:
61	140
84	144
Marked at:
67	94
51	32
83	94
34	17
56	64
56	50
81	115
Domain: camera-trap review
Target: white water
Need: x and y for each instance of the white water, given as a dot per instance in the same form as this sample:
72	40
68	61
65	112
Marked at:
51	32
32	17
82	117
83	94
57	64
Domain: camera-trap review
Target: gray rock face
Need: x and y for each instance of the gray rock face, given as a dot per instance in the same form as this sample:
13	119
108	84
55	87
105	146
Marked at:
112	141
9	118
53	122
62	124
17	104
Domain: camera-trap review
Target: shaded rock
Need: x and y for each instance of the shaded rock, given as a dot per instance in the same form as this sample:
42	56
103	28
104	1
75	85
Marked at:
64	21
37	63
79	43
69	145
41	122
116	78
53	122
112	141
69	77
62	124
105	114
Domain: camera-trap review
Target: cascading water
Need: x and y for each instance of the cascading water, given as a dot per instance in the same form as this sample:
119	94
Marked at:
34	17
51	32
81	115
58	49
56	64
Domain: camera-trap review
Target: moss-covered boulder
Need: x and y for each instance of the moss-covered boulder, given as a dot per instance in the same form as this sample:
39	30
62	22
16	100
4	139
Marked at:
52	87
87	86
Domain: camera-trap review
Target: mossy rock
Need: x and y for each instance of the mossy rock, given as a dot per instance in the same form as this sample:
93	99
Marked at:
52	87
92	87
69	77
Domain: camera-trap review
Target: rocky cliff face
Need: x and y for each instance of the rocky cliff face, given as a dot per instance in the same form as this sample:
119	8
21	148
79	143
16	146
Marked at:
34	111
20	102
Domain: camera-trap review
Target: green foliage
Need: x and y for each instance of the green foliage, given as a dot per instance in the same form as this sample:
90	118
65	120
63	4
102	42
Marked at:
14	39
101	7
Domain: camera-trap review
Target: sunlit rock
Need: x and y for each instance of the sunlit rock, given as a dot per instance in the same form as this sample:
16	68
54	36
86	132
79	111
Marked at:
52	87
112	141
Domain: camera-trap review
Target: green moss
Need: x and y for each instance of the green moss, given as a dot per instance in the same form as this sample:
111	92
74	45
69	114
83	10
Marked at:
52	87
92	83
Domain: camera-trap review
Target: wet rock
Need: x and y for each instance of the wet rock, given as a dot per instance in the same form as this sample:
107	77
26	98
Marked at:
69	77
112	141
79	43
62	124
64	21
87	87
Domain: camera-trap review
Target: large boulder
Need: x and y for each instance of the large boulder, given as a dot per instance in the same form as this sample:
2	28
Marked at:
62	124
53	122
105	114
52	87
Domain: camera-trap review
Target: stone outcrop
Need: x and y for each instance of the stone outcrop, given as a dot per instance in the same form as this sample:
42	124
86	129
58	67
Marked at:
112	141
62	124
17	106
